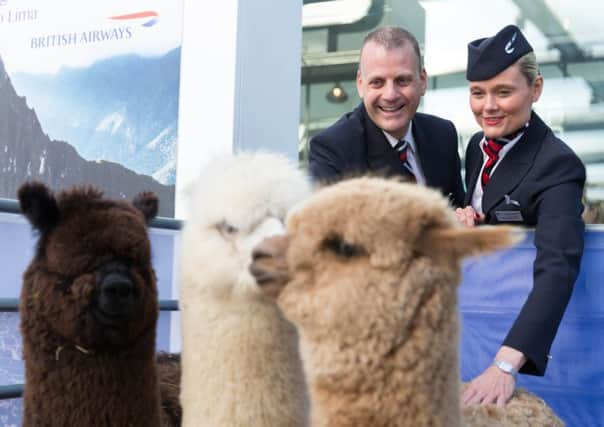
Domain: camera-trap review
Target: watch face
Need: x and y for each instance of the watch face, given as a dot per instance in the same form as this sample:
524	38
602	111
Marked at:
505	367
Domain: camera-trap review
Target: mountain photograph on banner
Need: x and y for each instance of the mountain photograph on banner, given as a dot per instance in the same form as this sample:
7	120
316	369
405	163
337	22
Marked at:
89	95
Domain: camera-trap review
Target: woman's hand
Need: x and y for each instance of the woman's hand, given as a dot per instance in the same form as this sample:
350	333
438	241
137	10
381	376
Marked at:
468	216
494	385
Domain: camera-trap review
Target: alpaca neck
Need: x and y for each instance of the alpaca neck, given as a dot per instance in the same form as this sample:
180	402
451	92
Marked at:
250	349
404	388
388	407
72	387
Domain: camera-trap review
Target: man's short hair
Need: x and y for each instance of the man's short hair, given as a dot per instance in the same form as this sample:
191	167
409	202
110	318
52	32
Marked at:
391	37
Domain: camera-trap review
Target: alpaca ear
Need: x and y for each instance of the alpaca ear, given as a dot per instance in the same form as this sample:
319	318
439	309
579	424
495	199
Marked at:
39	205
461	242
147	203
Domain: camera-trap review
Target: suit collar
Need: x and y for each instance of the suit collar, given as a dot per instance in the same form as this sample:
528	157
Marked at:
427	153
474	163
380	155
515	165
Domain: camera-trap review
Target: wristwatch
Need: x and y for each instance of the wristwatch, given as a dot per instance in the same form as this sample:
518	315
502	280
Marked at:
506	367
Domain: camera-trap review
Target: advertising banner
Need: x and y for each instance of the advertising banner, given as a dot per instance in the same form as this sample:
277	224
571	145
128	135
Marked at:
89	94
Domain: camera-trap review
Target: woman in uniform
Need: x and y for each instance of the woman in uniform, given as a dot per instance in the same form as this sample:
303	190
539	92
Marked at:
519	172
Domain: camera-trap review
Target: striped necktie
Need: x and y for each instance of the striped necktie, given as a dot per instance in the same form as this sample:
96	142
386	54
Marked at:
491	148
401	147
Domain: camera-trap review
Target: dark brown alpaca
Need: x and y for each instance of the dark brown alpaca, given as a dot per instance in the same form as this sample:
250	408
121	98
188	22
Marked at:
89	310
168	369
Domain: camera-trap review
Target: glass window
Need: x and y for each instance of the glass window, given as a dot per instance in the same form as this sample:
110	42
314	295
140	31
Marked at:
567	37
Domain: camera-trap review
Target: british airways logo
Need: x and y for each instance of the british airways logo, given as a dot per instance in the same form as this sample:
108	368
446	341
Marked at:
125	30
509	49
148	18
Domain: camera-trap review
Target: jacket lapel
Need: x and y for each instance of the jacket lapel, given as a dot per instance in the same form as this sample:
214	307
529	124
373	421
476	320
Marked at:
380	155
515	165
428	157
473	165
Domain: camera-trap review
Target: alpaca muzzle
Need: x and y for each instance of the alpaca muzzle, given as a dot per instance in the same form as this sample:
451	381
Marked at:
269	265
116	295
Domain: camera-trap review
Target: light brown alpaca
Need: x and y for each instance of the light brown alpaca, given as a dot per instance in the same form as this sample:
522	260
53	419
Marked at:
372	268
523	410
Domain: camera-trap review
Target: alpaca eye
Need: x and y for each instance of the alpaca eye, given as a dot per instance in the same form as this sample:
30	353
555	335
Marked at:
342	248
226	228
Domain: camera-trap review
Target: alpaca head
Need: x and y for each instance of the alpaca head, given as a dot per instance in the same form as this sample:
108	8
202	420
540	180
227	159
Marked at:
91	283
371	260
236	202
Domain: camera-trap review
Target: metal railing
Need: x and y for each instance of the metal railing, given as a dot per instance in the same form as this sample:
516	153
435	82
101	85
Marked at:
12	206
11	391
15	391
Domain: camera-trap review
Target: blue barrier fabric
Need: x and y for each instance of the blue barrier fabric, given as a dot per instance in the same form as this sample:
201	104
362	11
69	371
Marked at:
491	295
573	384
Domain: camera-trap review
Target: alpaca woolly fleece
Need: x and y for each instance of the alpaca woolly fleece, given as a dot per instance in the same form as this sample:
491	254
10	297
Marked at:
88	311
368	274
240	358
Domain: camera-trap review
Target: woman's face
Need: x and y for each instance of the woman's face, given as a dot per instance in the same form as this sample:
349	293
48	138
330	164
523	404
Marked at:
502	104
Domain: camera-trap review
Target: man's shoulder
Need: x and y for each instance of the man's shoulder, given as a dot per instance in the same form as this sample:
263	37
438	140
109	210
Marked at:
348	127
431	121
340	148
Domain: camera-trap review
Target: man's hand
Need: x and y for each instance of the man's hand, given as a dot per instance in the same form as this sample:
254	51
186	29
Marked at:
468	216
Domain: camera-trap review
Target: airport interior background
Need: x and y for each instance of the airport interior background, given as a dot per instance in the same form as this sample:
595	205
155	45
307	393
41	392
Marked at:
567	36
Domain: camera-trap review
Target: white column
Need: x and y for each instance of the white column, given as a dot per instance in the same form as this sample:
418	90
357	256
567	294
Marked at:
240	81
267	91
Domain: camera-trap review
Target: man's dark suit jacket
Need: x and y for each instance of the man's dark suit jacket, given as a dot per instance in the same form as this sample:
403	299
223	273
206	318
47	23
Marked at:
355	145
538	183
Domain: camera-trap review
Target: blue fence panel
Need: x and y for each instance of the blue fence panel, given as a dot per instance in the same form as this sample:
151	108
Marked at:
491	294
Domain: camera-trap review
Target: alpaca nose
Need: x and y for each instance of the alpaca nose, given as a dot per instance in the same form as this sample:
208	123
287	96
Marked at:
116	294
270	247
269	265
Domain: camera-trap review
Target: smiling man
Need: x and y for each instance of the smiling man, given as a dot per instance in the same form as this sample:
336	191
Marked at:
385	134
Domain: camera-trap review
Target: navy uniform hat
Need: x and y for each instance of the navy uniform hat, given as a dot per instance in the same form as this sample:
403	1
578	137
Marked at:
490	56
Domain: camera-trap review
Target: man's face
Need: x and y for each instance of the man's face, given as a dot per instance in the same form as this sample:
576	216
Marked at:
391	85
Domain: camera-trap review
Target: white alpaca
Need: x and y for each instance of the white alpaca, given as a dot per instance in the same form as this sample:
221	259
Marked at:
240	358
368	273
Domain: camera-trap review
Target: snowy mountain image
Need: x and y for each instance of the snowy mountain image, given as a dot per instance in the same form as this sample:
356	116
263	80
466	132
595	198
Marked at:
28	153
123	109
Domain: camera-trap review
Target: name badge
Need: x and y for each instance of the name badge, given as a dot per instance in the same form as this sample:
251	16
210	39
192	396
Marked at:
509	216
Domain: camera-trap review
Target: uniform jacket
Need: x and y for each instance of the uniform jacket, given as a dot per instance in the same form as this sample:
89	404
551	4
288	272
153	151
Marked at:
539	183
354	145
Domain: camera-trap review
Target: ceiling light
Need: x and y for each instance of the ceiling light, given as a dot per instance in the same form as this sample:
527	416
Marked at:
337	94
334	12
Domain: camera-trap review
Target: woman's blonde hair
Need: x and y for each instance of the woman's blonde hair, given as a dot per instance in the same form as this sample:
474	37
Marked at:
529	67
